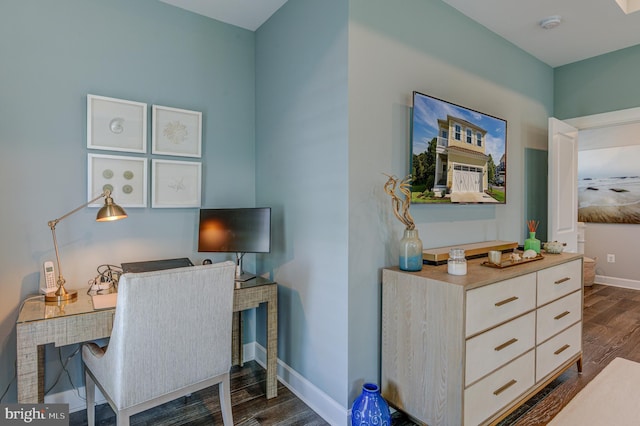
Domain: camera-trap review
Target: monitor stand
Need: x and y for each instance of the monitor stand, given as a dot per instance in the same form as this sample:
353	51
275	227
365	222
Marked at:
240	274
244	277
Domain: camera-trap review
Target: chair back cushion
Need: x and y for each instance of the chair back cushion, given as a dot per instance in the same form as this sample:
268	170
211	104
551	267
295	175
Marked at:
172	328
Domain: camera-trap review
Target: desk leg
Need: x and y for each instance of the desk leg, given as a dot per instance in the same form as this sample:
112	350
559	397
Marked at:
41	373
272	346
236	340
30	369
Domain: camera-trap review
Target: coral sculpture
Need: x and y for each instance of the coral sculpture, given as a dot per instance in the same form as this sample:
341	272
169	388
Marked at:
400	207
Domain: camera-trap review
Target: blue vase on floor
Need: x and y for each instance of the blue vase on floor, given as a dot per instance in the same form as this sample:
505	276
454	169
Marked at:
370	408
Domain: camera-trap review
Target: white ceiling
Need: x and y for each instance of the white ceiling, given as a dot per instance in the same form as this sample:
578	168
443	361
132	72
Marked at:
589	27
249	14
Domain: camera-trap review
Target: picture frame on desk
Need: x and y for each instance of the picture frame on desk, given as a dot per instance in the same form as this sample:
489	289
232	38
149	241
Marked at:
124	176
116	124
175	184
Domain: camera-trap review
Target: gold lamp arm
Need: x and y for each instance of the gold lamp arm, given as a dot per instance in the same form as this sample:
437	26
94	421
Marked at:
62	294
54	222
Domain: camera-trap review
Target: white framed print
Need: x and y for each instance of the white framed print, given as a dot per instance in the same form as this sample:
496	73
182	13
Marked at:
125	177
176	132
116	124
175	183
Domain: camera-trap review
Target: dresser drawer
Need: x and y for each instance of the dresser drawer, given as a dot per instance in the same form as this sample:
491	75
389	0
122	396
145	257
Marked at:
490	350
557	350
558	281
495	303
495	391
556	316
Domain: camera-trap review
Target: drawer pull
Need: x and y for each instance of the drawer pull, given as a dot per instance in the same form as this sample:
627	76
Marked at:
562	349
505	387
505	301
561	280
505	344
564	314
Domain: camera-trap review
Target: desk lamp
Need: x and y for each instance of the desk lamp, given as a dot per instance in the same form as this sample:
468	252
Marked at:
110	211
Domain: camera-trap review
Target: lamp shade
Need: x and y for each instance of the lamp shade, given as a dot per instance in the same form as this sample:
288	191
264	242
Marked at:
110	211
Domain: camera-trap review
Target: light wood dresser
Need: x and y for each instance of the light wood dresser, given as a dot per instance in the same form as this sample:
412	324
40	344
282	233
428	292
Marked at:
468	350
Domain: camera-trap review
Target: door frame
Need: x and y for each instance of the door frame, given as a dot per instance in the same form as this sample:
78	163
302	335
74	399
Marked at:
606	119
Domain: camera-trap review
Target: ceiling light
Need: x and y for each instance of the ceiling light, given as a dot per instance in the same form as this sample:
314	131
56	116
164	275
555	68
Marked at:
551	22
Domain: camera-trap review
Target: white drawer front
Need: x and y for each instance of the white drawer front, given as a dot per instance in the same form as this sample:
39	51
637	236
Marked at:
492	393
558	281
558	350
496	347
556	316
499	302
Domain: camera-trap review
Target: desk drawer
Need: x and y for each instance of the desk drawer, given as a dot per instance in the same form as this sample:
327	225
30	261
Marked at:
556	316
556	351
496	347
495	303
559	281
495	391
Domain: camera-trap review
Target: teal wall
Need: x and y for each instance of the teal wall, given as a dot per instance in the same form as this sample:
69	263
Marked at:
53	55
394	49
302	171
304	115
605	83
535	171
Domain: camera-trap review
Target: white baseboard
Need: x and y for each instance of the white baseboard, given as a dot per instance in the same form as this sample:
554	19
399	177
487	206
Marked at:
617	282
332	412
327	408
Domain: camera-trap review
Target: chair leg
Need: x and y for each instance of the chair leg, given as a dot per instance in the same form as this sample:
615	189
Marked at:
224	389
122	419
90	390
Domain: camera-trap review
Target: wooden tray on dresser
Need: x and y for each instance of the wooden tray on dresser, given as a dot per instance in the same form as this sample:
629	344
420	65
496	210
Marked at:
509	263
440	255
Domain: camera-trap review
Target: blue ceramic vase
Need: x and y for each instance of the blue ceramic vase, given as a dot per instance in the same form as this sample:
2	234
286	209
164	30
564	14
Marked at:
370	408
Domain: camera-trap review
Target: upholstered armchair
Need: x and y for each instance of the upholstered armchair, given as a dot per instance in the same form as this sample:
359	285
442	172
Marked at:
171	336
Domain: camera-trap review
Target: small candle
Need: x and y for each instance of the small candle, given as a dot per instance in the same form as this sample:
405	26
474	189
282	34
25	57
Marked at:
457	263
455	268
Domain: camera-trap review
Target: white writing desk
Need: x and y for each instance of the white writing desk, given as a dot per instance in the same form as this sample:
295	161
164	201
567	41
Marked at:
76	322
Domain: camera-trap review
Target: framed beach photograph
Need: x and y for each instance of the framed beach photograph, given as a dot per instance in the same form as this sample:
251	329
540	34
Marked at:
175	184
125	177
116	124
176	132
609	185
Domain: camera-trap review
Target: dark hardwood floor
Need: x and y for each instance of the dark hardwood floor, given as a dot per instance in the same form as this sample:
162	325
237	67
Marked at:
611	329
249	406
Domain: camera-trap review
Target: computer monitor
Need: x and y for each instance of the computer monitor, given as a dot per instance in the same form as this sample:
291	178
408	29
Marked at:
235	230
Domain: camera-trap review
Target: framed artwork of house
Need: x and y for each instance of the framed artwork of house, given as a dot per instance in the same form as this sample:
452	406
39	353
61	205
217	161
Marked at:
458	155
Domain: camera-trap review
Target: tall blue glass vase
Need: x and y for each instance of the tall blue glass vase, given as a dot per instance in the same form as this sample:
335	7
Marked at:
370	408
411	251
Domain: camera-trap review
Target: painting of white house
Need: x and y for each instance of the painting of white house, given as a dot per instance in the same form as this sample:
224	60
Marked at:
609	185
458	154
